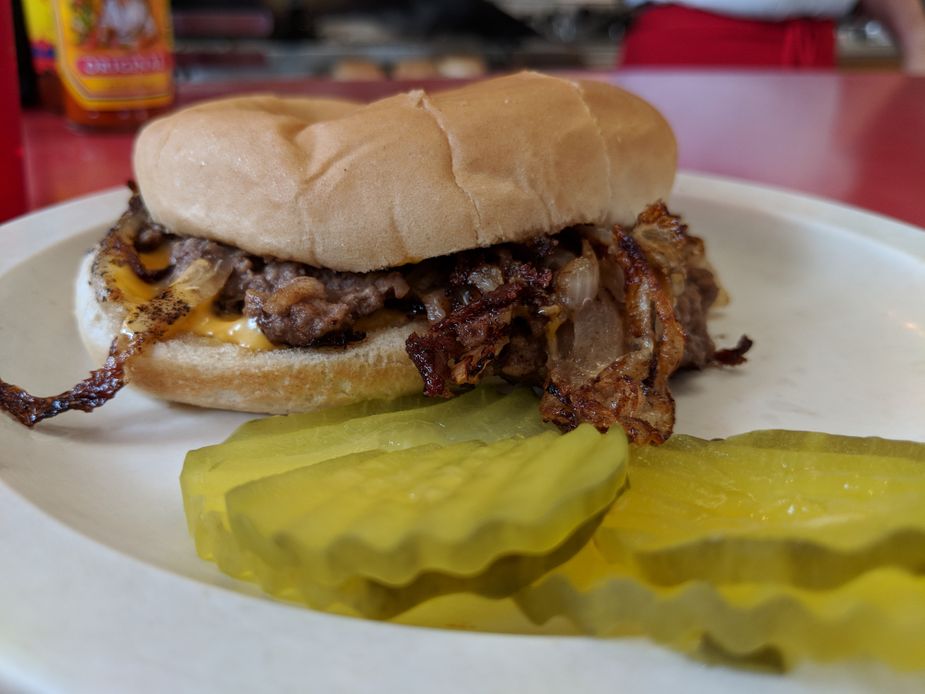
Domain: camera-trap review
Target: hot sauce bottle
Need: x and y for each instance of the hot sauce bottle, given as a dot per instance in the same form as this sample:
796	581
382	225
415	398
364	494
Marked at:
115	61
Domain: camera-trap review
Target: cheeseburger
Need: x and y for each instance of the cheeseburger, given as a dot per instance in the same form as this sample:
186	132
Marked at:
285	254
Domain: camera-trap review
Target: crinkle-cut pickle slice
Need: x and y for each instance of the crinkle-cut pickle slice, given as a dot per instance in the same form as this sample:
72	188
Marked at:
877	615
277	445
815	441
364	597
813	510
278	425
453	510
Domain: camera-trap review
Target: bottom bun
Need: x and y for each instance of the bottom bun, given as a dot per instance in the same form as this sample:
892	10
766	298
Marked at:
205	372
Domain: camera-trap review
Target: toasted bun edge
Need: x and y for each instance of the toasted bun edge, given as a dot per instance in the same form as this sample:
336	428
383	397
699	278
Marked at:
205	372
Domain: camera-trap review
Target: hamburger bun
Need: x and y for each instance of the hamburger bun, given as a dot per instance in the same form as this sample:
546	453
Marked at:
461	67
415	69
409	177
357	70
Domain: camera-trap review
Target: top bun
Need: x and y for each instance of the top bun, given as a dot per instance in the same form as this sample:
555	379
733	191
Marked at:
413	176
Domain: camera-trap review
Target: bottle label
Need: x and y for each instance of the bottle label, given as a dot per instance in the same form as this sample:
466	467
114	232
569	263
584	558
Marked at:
40	25
115	54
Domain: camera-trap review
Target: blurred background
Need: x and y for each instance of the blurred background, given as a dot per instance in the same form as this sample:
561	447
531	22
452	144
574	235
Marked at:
222	40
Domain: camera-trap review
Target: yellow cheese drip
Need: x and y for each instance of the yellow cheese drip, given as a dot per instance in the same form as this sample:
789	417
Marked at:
203	320
240	331
134	289
157	259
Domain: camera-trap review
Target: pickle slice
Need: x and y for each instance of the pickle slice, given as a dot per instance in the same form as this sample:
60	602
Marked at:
818	442
275	445
813	510
373	599
880	614
453	510
288	424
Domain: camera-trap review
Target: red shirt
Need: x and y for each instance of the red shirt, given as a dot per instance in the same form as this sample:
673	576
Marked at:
674	35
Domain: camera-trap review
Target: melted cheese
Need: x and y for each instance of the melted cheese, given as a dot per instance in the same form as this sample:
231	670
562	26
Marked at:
134	289
240	331
157	259
203	320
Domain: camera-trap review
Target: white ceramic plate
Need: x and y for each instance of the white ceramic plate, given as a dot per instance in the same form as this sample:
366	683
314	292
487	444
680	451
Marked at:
100	589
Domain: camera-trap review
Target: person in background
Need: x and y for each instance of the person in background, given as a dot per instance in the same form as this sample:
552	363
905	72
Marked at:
771	33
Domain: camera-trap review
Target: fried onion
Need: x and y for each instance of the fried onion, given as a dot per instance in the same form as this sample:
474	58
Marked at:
633	389
144	324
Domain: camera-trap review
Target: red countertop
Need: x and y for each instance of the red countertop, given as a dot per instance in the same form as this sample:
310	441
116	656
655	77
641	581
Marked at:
857	138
